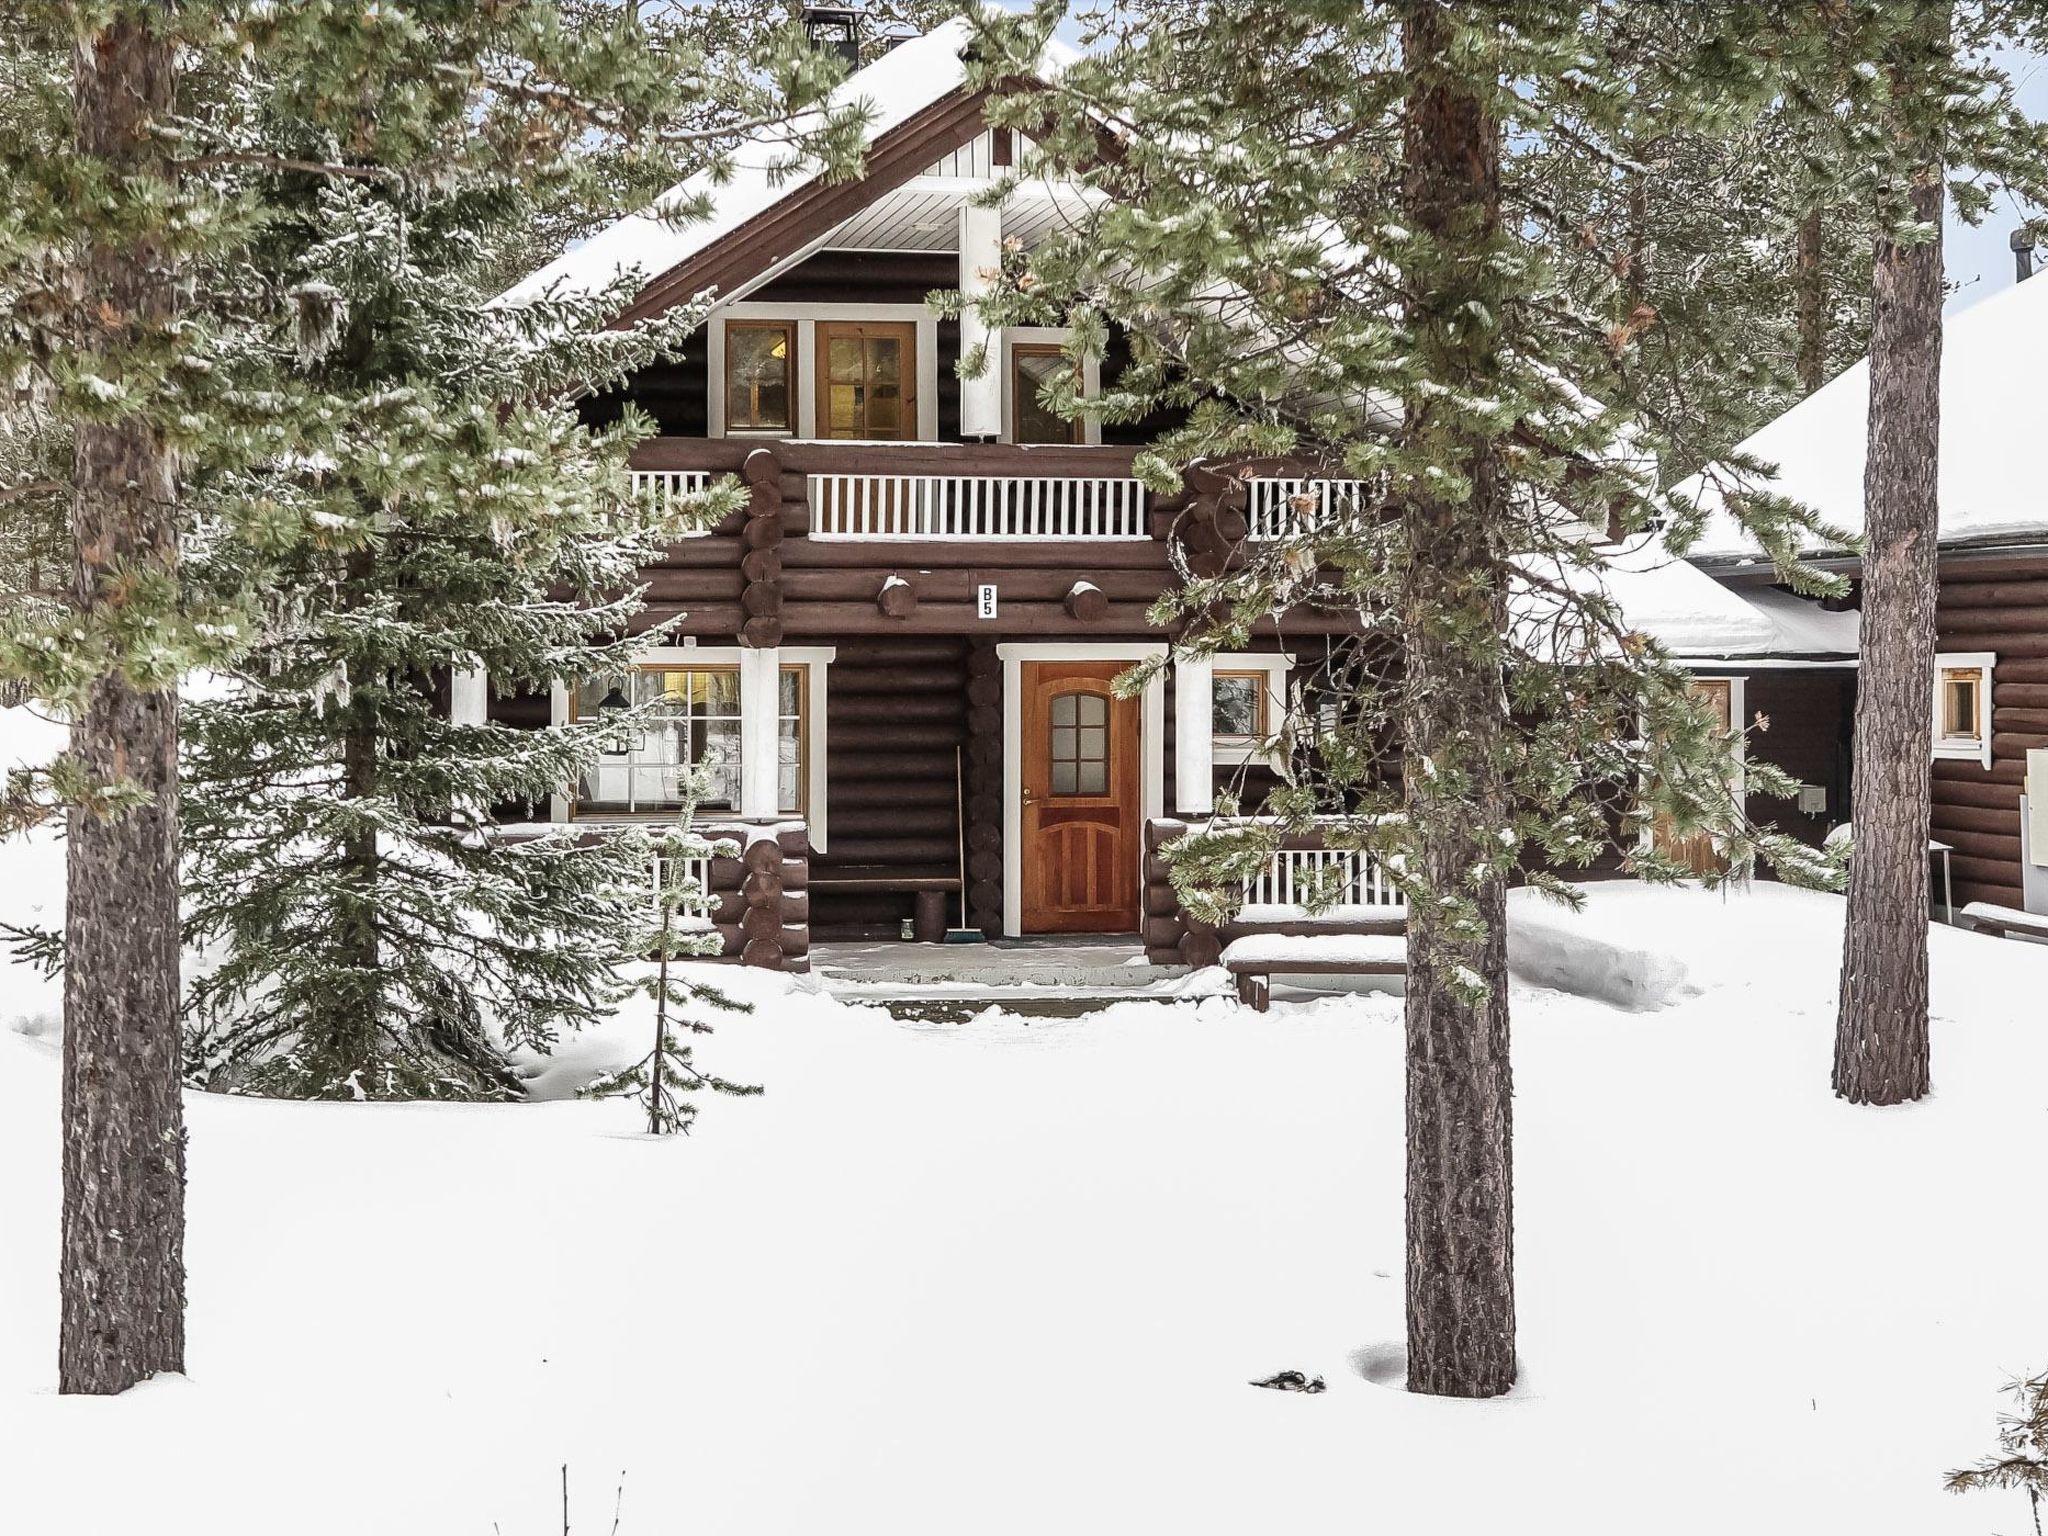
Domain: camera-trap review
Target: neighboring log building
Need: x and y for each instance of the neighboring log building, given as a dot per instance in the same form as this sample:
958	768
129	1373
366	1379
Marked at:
1990	702
899	658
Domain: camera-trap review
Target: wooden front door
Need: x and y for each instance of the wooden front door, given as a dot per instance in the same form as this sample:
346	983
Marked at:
1080	814
1698	851
867	380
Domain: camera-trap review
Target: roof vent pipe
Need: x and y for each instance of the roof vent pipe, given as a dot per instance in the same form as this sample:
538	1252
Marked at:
2022	243
834	29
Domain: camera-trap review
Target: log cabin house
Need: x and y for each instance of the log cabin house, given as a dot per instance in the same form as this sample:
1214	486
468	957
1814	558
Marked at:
896	664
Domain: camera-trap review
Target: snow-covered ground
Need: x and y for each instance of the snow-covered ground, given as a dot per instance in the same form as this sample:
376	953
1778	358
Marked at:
1014	1276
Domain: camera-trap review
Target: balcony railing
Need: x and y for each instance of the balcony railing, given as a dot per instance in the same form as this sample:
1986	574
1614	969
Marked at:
881	506
1285	509
663	488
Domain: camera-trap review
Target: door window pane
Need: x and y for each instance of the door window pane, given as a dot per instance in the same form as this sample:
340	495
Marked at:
1079	744
867	371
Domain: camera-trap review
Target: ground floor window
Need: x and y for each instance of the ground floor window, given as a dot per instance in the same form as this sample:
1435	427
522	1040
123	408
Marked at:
692	722
1962	705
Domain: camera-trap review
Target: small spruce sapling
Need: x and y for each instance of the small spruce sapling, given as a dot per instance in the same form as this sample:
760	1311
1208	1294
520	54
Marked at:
663	1080
2022	1458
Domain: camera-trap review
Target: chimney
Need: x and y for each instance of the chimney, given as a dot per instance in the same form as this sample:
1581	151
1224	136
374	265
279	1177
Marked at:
834	29
2022	243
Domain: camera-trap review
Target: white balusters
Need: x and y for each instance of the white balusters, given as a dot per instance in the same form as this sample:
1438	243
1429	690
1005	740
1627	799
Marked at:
1350	882
665	487
1282	508
847	506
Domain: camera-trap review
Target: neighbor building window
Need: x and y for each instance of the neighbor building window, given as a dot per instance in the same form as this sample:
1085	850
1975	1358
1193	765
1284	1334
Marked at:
1962	705
760	375
1032	367
692	724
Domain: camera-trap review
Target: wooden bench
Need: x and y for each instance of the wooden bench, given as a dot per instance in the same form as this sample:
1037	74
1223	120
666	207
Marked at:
2006	922
929	887
1256	958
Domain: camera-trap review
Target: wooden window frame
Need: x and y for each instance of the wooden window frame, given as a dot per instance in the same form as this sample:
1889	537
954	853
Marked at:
1019	350
789	378
821	377
1262	686
1975	743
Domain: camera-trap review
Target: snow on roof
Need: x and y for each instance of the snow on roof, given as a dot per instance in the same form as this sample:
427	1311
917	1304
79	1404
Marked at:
1991	435
897	86
1694	616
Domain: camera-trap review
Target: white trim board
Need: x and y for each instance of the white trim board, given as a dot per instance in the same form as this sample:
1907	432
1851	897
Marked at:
1985	664
1276	665
806	317
1151	750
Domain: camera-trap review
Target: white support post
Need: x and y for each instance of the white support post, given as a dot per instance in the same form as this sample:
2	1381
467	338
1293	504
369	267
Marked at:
1194	735
981	252
760	707
469	697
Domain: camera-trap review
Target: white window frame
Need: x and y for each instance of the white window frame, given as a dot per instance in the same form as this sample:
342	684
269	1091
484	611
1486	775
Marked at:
1958	748
806	318
1229	751
816	661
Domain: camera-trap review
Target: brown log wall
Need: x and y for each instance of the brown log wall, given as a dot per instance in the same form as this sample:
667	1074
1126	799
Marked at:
757	569
1999	606
895	716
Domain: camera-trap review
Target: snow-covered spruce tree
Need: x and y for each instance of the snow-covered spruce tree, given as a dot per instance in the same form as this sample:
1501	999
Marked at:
140	144
665	1081
442	511
378	940
1327	233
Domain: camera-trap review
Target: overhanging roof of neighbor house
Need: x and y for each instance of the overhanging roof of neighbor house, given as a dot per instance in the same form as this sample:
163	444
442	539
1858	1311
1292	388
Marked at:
769	213
1991	438
1697	618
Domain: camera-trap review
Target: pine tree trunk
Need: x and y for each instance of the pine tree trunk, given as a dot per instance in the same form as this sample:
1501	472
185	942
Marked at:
122	1268
1881	1030
1460	1213
1809	279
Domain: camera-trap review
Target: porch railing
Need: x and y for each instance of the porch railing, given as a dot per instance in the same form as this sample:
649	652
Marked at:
871	506
1284	509
1352	883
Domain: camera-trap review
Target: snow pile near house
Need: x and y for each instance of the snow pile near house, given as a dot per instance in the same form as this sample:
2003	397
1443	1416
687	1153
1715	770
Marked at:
1605	953
1013	1277
1990	425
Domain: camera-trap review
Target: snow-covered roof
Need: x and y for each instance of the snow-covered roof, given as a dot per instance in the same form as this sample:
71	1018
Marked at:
1697	618
914	75
1991	434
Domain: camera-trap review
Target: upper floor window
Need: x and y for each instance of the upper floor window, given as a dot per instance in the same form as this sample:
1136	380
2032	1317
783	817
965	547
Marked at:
1032	366
760	375
694	724
867	379
1962	705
